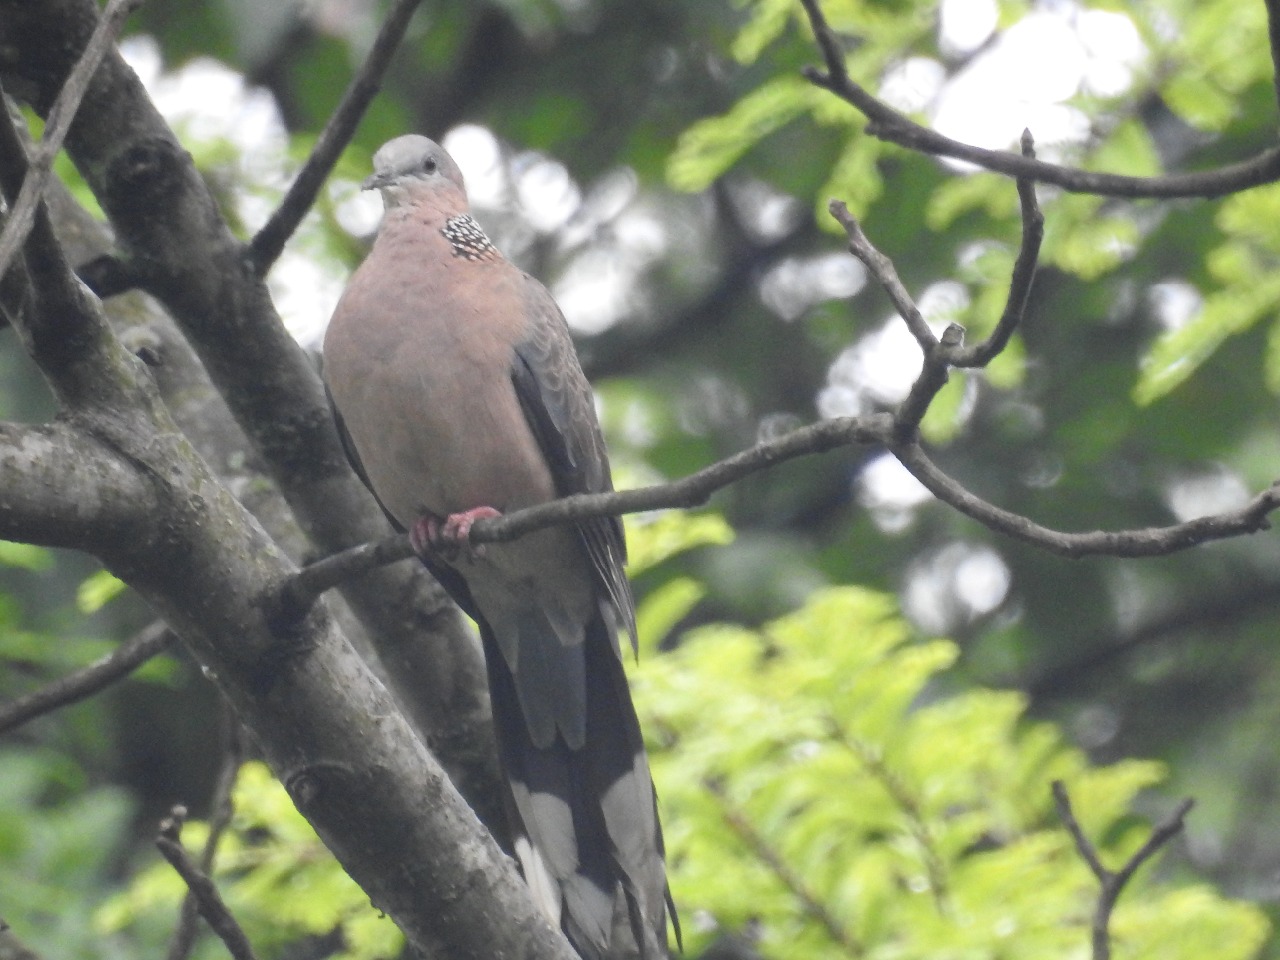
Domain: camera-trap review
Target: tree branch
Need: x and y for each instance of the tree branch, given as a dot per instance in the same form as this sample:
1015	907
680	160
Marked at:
220	813
208	901
177	245
1143	542
22	210
1215	614
1021	280
1112	884
266	246
301	590
889	125
691	491
87	681
881	267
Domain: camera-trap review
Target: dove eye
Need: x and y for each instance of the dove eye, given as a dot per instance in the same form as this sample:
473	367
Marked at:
429	165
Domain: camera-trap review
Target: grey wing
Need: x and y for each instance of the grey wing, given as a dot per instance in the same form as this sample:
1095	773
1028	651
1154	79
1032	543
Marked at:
558	404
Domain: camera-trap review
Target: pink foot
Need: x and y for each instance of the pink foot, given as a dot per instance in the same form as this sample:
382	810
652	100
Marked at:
451	536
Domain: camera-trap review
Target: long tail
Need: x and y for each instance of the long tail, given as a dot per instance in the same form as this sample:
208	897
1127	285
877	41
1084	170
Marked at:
585	820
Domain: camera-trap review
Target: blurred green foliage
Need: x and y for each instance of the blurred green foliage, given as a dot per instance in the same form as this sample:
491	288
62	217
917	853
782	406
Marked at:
813	782
927	820
278	880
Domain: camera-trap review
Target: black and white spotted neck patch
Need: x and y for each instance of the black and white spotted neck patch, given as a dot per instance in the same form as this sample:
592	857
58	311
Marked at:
468	239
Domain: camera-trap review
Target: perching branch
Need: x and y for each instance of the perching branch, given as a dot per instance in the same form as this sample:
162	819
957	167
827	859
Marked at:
301	590
23	209
266	246
691	491
208	901
897	432
1112	883
87	681
889	125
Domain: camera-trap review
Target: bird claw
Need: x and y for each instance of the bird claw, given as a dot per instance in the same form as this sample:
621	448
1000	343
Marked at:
450	537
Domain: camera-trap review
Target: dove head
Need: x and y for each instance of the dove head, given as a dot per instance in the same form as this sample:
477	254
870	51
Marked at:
411	167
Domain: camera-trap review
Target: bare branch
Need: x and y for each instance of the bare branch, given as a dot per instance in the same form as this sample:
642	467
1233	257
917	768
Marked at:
893	127
265	248
302	589
1112	883
220	813
1143	542
23	209
1024	274
937	352
87	681
1083	843
208	901
108	275
881	267
691	491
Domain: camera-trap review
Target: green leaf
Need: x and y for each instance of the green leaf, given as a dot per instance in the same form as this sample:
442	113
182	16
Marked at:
984	192
1128	149
655	538
25	556
855	179
664	607
809	762
1176	355
767	22
710	147
942	421
97	590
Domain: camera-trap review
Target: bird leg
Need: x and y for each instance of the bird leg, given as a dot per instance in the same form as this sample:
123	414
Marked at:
451	535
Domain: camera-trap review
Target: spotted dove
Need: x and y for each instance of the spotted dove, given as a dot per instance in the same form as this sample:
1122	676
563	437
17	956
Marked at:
458	395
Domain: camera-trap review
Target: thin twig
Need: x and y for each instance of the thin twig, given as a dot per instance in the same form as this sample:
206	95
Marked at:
85	682
936	363
887	124
208	900
1024	274
881	267
220	813
302	589
63	111
267	245
1112	883
691	491
758	845
935	370
1142	542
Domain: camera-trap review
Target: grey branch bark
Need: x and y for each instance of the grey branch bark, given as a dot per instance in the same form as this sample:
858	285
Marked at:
175	243
330	730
